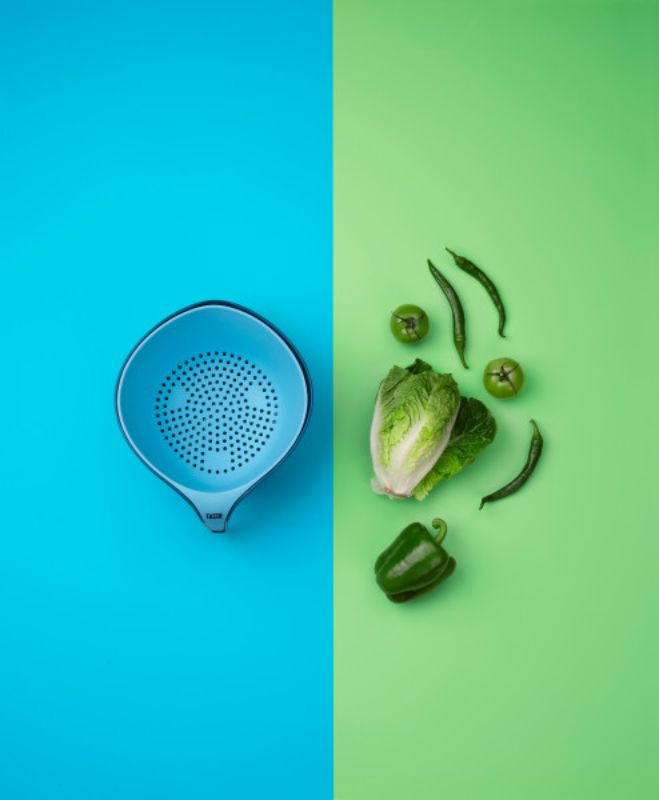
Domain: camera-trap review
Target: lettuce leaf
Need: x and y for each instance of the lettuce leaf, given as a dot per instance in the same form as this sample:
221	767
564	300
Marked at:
415	411
474	429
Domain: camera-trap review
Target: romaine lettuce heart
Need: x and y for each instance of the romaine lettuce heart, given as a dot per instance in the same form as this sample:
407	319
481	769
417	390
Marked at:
423	432
415	411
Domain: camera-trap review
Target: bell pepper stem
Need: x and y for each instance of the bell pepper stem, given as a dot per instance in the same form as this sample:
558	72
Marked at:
442	529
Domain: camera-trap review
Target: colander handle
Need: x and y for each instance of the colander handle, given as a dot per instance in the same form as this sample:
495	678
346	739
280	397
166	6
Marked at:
214	509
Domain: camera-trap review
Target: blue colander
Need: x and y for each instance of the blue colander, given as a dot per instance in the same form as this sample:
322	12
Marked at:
212	400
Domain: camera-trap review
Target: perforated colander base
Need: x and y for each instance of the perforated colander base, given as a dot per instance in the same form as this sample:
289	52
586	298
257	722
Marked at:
217	411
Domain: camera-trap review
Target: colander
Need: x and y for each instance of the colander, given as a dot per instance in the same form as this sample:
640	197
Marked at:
212	399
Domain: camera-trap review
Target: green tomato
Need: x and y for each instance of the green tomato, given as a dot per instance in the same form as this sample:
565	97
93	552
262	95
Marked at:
503	377
409	323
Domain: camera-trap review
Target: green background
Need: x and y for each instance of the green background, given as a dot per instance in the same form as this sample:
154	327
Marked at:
524	135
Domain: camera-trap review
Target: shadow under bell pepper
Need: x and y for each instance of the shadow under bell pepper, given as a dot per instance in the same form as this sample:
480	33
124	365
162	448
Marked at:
414	563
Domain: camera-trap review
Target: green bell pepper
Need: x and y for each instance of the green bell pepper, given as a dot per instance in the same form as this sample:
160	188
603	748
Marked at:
415	562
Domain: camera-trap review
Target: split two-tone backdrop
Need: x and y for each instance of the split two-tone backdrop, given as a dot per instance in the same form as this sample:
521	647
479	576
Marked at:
304	160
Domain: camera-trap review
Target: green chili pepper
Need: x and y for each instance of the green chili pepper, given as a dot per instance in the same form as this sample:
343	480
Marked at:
415	562
535	451
469	267
459	336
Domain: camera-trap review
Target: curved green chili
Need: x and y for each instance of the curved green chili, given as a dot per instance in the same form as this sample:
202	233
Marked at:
469	267
535	451
459	336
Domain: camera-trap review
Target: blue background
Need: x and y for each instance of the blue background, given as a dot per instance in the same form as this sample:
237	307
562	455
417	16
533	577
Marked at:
155	155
